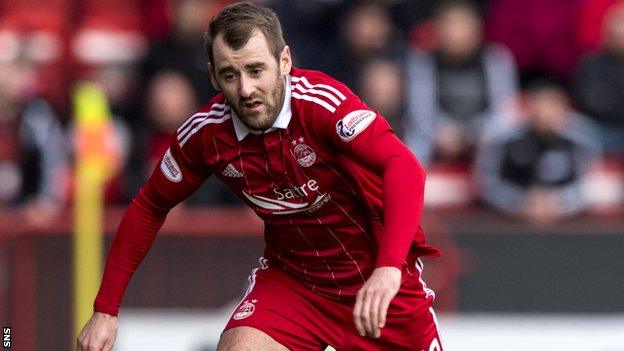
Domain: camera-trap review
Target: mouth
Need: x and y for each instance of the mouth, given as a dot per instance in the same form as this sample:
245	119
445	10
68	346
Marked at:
253	105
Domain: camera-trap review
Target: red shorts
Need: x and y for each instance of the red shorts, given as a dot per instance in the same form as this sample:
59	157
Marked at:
300	319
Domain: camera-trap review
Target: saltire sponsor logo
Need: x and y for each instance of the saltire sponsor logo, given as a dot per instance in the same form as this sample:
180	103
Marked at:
321	94
231	172
280	206
170	167
354	123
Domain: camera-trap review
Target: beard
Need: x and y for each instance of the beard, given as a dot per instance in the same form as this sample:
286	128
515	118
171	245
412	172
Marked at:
271	105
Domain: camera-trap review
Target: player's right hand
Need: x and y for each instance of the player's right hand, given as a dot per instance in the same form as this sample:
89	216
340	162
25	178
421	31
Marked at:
373	300
98	334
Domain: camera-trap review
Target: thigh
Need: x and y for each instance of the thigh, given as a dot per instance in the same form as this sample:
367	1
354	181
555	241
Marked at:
417	334
411	323
280	311
420	333
248	339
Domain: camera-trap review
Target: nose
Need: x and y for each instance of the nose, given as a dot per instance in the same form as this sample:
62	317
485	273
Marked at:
245	87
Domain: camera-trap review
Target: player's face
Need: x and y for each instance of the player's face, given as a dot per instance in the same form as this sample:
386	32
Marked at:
251	79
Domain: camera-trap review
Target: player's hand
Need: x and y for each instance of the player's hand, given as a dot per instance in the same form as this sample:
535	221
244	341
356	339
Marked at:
373	299
99	333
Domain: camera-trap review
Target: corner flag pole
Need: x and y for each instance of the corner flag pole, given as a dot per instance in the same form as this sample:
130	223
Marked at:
94	164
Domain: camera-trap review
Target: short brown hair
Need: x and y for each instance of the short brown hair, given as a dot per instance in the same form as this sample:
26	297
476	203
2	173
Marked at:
238	21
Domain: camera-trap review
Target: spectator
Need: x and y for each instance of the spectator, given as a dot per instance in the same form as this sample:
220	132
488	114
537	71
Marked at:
454	90
310	28
170	100
367	33
382	87
33	153
535	169
183	50
413	18
599	83
368	42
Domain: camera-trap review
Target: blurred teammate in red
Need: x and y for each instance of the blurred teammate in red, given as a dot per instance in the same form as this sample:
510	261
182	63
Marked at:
340	195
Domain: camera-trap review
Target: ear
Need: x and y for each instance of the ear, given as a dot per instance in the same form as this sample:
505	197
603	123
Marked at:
285	61
213	78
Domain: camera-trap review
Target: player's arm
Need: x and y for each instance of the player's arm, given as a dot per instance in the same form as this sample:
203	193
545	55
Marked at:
177	176
403	189
365	136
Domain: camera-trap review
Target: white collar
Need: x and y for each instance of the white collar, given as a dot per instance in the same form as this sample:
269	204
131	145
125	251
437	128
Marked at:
282	120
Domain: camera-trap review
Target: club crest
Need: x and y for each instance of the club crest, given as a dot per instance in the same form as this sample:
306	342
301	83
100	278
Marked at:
245	310
303	153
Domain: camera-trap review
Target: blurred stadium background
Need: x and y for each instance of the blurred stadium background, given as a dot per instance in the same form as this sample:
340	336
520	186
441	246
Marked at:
516	109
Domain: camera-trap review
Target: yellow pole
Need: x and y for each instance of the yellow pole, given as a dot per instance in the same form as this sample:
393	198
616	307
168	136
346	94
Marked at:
94	164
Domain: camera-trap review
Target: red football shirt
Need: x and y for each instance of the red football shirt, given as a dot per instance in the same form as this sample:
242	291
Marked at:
337	190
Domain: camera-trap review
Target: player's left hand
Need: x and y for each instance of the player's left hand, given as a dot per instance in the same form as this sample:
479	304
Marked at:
373	299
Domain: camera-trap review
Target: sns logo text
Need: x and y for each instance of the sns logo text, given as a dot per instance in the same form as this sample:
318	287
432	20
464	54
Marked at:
6	338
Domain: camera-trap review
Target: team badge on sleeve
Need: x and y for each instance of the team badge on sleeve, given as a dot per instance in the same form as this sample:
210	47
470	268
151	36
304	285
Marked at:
170	167
354	123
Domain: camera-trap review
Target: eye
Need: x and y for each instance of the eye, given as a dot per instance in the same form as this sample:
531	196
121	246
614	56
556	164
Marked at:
256	72
229	77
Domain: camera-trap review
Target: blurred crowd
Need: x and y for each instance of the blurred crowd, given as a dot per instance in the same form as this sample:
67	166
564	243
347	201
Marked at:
517	106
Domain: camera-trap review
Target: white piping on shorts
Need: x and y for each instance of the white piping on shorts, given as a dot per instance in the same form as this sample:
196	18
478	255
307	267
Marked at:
252	280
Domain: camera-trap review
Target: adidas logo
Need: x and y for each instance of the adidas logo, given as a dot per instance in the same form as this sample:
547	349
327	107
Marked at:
231	172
